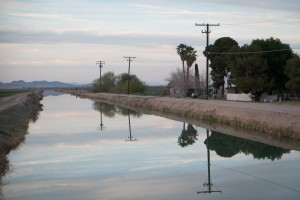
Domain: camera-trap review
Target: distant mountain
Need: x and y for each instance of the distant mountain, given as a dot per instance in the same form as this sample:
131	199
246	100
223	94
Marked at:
38	84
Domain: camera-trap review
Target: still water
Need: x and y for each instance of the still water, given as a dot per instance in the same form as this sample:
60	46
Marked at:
79	149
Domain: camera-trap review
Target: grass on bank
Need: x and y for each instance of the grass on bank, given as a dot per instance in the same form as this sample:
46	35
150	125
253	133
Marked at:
156	90
6	93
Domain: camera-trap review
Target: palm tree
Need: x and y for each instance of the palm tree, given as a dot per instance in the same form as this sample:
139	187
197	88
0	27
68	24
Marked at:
182	52
190	59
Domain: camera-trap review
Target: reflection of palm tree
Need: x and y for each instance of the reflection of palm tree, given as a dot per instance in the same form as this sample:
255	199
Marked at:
187	137
228	146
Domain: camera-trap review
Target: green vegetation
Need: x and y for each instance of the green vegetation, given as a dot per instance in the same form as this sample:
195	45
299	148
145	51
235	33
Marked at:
119	84
6	93
249	71
276	60
219	65
259	67
293	73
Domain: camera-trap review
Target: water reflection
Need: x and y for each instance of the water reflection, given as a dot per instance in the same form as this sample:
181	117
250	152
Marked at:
209	182
228	146
188	136
170	161
130	137
101	127
111	111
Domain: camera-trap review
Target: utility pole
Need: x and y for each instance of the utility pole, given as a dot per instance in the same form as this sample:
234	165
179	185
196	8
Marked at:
100	63
209	183
207	31
129	59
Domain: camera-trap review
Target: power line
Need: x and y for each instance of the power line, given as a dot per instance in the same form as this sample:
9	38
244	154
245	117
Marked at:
271	21
249	52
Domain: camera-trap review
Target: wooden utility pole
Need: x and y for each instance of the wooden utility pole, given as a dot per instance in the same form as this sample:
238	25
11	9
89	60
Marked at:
207	31
129	59
100	63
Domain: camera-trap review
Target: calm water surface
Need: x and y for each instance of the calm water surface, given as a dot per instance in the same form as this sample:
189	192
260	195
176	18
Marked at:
79	149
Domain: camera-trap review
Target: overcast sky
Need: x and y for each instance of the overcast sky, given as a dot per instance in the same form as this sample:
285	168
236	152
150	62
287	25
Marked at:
60	40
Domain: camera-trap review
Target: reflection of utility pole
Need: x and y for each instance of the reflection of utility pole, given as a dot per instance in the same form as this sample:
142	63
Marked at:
101	127
100	63
129	59
207	31
130	137
209	183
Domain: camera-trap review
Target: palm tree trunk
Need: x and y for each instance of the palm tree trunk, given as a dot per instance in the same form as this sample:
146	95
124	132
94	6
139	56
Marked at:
187	80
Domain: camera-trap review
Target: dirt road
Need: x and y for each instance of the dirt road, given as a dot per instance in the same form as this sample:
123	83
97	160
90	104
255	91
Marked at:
9	101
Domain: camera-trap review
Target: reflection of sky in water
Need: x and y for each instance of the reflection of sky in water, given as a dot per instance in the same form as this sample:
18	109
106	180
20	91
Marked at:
66	157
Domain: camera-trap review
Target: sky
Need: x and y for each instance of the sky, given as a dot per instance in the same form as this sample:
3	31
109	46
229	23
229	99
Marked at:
61	40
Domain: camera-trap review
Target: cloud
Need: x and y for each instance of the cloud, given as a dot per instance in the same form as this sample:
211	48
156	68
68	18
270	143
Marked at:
290	5
129	38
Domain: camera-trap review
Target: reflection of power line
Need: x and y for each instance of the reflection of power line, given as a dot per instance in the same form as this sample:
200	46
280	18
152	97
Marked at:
209	183
258	177
130	137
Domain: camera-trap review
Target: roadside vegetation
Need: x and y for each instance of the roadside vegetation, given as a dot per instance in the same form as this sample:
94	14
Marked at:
111	83
263	66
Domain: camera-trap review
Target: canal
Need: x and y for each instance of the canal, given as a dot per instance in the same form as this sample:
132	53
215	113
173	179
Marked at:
80	149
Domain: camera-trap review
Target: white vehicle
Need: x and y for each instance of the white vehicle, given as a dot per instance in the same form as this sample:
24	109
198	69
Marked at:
195	94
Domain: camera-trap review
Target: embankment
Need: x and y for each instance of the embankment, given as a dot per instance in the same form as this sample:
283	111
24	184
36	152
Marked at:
15	114
275	120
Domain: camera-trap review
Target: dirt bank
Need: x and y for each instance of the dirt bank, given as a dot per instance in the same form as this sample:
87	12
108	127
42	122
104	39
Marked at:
270	119
15	114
